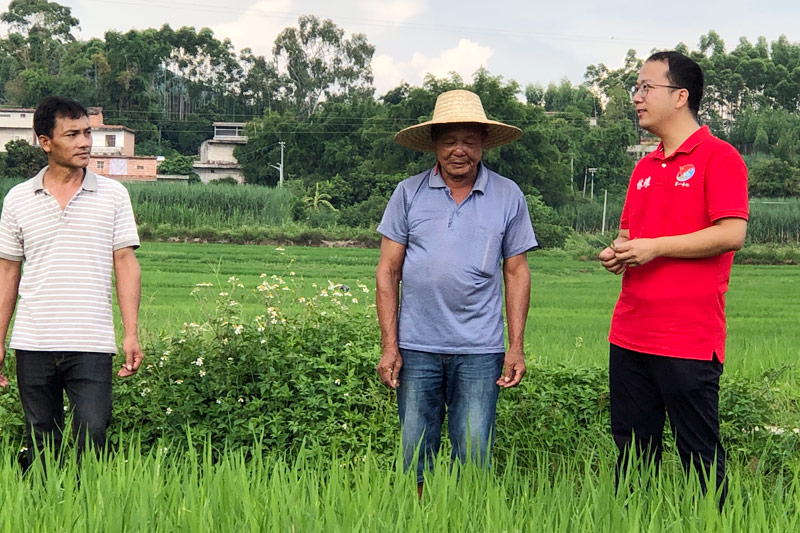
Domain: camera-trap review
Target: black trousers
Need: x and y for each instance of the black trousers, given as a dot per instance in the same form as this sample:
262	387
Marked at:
43	377
644	388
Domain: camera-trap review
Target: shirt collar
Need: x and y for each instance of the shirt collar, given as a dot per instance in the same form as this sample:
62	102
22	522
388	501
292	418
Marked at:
693	141
435	179
89	180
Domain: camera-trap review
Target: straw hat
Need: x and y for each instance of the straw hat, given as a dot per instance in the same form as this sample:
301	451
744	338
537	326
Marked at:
457	107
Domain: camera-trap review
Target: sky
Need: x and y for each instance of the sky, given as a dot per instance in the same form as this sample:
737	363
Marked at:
527	41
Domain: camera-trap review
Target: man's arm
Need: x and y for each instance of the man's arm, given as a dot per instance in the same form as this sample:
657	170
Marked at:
608	257
9	289
517	278
129	290
387	299
727	234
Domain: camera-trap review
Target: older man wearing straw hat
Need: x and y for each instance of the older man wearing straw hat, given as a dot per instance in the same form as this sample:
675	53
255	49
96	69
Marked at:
453	234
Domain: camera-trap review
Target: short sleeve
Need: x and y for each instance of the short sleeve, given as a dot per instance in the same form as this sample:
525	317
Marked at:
125	233
519	236
394	224
726	187
11	243
624	219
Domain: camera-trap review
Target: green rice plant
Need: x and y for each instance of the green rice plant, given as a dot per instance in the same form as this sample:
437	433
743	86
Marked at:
192	489
196	205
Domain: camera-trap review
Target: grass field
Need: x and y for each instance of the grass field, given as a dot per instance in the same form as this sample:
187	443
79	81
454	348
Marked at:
168	492
571	300
177	488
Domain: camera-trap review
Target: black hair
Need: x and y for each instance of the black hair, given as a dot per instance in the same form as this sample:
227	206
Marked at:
44	118
683	72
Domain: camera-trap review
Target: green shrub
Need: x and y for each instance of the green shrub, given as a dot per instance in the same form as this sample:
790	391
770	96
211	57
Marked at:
302	371
550	227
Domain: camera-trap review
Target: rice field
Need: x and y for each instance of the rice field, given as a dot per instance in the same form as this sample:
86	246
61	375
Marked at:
167	491
571	300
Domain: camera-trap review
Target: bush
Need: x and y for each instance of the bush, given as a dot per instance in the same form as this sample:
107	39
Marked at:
302	371
550	227
365	214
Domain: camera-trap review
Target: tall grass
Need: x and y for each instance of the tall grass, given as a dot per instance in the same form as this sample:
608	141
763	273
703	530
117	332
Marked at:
204	211
204	205
771	220
171	490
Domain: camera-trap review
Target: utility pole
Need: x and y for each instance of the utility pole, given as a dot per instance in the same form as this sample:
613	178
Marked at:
279	167
591	170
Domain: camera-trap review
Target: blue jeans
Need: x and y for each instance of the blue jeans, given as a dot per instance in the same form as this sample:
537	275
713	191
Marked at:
42	378
463	386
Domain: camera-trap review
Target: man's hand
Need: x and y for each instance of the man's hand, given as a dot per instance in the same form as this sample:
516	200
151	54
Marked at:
514	369
608	258
637	252
389	367
3	378
133	356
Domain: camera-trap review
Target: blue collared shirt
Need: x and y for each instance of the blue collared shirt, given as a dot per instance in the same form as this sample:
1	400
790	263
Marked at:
451	298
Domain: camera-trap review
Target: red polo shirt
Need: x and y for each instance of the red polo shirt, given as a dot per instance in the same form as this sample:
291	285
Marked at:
676	307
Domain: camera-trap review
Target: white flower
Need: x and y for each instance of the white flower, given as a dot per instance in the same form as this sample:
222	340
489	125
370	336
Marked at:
355	300
231	279
204	284
223	293
202	373
279	249
178	381
337	381
237	330
241	400
263	341
219	400
198	362
301	300
291	273
169	410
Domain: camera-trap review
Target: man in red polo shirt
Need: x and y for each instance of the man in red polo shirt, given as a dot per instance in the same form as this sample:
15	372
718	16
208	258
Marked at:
685	214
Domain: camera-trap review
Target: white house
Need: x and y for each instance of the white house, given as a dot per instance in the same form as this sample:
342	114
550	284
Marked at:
216	155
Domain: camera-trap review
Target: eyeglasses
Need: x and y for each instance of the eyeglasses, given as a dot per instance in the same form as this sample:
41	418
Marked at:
644	88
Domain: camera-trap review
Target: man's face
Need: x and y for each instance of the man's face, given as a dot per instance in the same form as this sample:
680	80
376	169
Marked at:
659	105
459	149
71	143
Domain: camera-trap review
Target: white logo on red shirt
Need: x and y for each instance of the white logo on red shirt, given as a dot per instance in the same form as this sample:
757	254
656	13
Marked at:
643	184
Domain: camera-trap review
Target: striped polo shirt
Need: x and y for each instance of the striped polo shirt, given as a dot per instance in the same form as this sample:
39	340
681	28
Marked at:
65	291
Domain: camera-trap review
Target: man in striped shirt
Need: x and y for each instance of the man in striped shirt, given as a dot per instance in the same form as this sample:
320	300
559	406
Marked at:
70	228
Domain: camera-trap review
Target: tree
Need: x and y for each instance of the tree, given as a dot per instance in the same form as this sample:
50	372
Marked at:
23	160
316	62
774	178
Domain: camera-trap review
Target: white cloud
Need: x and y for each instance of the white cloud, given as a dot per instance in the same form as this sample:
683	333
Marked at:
392	11
258	26
467	57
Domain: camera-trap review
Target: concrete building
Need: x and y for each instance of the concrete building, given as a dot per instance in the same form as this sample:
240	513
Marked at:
112	146
113	151
16	124
216	154
108	139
